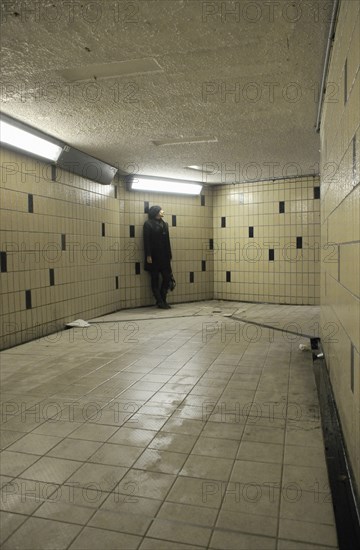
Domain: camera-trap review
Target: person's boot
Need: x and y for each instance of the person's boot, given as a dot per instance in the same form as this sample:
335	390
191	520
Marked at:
163	296
159	300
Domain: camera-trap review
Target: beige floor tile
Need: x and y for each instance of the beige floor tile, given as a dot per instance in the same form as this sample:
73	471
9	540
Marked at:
35	444
260	452
9	437
197	492
133	524
146	422
304	456
160	461
188	514
296	545
133	437
223	430
207	467
240	541
246	523
51	470
93	432
169	398
179	532
9	523
156	544
64	511
13	463
302	531
42	534
254	432
314	506
74	449
93	539
221	448
130	504
183	426
116	455
59	429
307	479
138	480
258	499
303	437
256	472
157	409
167	441
145	484
98	476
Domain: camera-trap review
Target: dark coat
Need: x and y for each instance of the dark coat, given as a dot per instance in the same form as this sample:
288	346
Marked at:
157	245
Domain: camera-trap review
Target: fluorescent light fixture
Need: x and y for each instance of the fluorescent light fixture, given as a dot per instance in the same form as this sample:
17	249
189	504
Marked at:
21	139
200	169
185	141
166	186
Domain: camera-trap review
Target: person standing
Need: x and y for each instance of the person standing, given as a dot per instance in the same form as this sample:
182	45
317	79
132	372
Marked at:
158	254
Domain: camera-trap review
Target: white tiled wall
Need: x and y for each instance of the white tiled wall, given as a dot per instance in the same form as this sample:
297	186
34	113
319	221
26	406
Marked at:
340	226
256	224
67	251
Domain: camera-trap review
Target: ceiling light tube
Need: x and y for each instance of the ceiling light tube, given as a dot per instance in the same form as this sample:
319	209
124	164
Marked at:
166	186
27	141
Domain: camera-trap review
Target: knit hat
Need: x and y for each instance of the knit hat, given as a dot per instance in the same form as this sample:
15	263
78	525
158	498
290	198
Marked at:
153	211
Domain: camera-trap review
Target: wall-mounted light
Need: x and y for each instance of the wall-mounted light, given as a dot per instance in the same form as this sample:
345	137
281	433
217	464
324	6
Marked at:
14	135
24	138
140	183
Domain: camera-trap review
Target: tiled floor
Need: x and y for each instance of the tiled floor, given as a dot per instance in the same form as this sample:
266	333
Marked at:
167	430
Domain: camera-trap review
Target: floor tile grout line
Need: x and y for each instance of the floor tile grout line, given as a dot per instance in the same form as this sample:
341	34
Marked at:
234	461
283	454
173	413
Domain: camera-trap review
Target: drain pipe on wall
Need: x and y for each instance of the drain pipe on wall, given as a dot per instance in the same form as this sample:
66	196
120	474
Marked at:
326	61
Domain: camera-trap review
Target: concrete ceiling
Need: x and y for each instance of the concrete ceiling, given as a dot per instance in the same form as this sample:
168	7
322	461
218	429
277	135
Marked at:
115	78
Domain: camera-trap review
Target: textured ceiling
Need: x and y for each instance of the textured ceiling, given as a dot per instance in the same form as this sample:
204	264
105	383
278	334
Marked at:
243	75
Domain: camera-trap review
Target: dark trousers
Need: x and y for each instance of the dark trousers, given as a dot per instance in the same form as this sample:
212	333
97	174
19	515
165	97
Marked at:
160	291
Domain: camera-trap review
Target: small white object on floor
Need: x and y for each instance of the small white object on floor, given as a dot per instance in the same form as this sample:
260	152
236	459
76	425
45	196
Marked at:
78	323
304	347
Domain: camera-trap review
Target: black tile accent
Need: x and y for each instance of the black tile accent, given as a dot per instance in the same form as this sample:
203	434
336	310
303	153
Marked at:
137	268
52	276
317	192
103	230
132	231
299	242
53	172
173	221
146	207
282	207
228	276
211	244
251	232
28	299
63	242
223	221
345	82
191	276
202	198
117	282
115	191
30	203
3	257
203	265
271	255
